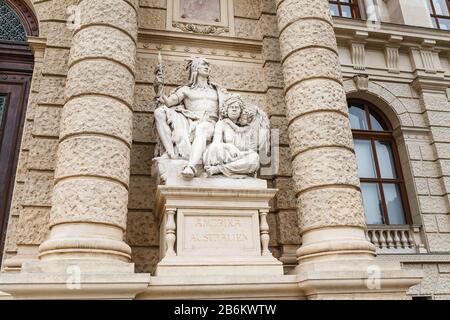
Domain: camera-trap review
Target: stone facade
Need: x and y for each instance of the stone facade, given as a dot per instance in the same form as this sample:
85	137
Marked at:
89	135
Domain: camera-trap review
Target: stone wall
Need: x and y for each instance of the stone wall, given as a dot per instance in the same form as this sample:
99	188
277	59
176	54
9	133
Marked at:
250	65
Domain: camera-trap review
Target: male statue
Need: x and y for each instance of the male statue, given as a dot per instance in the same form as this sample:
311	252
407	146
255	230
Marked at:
185	120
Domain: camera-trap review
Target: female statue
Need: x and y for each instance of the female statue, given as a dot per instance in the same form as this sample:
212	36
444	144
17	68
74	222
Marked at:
242	132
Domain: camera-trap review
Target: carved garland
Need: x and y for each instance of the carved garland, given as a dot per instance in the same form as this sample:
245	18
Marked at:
200	28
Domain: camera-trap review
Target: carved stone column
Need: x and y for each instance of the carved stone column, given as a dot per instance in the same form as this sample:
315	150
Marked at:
324	164
90	197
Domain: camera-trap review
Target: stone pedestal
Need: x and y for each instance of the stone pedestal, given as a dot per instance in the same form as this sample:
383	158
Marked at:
213	226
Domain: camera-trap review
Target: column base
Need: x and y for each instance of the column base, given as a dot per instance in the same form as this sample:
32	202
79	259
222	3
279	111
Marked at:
74	279
355	279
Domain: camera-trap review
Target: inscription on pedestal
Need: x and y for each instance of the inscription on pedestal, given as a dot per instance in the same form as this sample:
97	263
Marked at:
219	234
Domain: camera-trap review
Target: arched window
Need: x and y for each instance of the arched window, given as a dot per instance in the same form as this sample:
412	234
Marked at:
382	183
345	8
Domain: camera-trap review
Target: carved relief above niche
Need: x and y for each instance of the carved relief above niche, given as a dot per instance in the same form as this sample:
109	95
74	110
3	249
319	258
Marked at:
213	17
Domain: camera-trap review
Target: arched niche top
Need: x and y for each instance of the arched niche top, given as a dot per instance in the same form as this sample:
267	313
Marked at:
391	106
19	10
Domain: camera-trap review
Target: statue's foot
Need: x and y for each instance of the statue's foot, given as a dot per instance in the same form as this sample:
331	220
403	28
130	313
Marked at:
212	170
188	173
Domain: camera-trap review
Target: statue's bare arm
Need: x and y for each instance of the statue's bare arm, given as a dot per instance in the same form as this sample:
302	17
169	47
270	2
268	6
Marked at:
175	98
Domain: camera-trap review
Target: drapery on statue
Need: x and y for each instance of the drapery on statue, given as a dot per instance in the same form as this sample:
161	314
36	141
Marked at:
242	132
185	120
188	120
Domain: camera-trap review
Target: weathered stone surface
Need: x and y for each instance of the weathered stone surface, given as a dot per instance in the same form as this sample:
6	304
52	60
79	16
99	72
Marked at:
280	124
285	164
56	33
268	25
435	102
326	207
247	9
429	223
275	102
285	198
106	43
439	242
95	114
247	28
89	200
32	228
42	154
141	159
272	221
271	49
153	3
315	95
116	13
320	129
100	77
47	121
145	259
431	204
314	33
143	128
273	75
330	166
38	189
56	61
93	156
142	229
53	10
142	191
144	98
288	228
292	10
52	90
311	63
152	18
236	76
443	222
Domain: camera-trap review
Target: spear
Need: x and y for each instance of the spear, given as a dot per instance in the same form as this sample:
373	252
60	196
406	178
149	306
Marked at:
158	84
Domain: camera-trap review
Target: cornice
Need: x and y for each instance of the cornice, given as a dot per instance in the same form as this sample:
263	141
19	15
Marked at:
190	39
389	33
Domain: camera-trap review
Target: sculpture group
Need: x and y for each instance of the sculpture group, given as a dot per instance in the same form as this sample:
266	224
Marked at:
216	132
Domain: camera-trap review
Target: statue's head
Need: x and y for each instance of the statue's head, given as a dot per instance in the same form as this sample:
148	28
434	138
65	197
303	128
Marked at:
232	107
198	67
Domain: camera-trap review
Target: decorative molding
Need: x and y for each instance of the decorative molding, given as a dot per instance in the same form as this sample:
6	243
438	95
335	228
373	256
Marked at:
200	28
361	82
358	55
392	59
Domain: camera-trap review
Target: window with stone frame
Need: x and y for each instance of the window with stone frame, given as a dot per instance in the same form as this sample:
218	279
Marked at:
440	13
345	8
382	183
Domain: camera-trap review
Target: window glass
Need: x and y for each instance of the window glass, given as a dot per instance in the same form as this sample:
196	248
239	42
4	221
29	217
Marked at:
377	124
358	118
364	159
444	24
441	7
385	159
346	11
372	203
394	204
334	9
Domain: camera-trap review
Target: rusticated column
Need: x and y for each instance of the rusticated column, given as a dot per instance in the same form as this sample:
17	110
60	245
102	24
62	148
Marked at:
324	163
90	196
